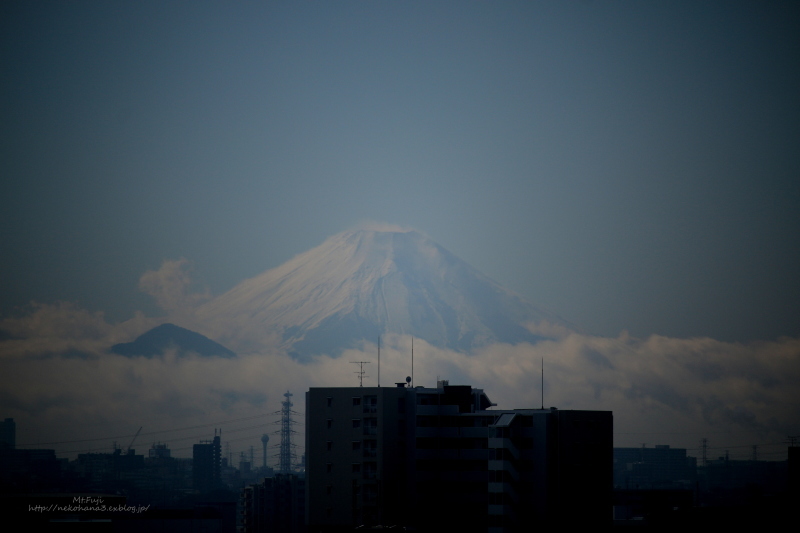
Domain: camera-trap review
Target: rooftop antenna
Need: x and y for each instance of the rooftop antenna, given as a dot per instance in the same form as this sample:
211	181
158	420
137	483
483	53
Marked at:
379	361
360	371
412	362
542	383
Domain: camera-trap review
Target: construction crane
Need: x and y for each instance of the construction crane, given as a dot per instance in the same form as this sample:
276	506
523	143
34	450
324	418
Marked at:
128	451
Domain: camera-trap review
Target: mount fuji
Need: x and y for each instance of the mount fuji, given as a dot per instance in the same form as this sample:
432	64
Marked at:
364	283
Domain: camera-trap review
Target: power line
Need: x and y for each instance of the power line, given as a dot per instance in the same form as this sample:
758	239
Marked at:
129	435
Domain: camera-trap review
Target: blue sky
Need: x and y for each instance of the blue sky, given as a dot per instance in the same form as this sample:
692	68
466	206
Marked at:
627	165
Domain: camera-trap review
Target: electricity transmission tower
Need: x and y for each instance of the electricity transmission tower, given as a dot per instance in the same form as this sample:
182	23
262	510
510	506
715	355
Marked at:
287	455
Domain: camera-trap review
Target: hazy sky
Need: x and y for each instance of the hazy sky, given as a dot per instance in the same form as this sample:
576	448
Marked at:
627	165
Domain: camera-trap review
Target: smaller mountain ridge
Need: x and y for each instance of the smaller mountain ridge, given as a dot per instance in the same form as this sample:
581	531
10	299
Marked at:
169	336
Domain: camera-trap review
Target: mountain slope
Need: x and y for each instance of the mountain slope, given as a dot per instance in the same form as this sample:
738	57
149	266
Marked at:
169	336
364	283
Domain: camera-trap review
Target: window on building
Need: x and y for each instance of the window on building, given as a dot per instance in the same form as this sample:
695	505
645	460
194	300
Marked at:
329	423
371	495
370	426
356	401
370	404
329	445
356	469
329	490
370	448
356	445
356	423
330	401
329	467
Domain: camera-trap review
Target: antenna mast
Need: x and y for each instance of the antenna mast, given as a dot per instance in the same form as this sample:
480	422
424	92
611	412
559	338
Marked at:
542	383
360	371
379	361
412	362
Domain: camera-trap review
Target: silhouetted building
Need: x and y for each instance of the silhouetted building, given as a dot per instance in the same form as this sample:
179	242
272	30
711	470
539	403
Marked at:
725	482
166	479
550	467
661	467
111	472
653	507
793	471
278	503
207	465
159	451
24	471
438	459
8	434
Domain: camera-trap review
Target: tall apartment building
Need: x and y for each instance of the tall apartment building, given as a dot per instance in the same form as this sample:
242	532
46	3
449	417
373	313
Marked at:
441	459
207	465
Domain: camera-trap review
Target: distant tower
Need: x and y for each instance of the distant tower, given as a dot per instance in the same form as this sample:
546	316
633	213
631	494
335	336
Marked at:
704	448
287	454
264	441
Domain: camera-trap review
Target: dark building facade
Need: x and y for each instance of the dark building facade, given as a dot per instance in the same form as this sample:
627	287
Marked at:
551	467
24	471
439	459
207	465
661	467
278	503
8	434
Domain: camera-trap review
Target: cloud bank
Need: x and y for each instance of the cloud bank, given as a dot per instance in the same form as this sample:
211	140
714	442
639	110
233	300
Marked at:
60	383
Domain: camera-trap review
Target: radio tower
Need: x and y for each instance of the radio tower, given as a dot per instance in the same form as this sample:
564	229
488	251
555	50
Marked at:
287	457
264	441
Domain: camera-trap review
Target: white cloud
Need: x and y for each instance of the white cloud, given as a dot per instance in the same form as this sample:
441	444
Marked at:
60	383
62	320
170	287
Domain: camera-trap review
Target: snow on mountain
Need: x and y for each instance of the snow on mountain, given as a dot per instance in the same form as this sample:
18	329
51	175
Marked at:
364	283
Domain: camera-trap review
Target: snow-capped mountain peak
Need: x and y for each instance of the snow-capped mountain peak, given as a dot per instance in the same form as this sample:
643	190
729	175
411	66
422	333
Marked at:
363	283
